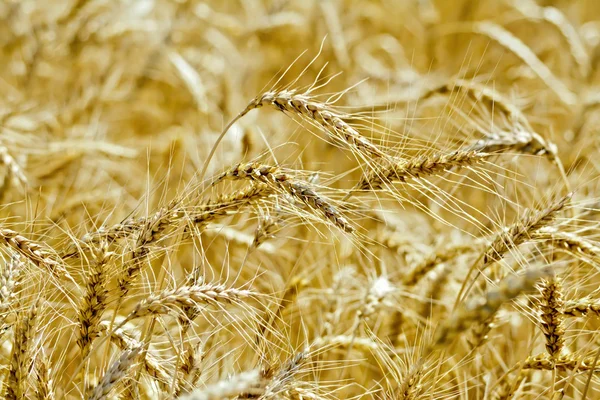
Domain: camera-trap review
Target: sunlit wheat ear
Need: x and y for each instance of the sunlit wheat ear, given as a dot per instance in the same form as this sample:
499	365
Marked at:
283	182
418	272
480	310
127	341
229	203
229	388
160	221
44	385
94	300
327	343
305	106
21	358
153	229
581	308
551	315
308	109
570	243
115	374
410	387
420	167
39	254
522	230
266	229
563	363
12	274
199	215
283	379
174	300
509	385
190	368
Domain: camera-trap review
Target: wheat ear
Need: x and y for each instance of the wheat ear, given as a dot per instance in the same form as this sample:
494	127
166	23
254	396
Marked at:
176	299
94	300
41	255
562	363
480	311
115	373
521	231
20	361
230	388
419	167
8	282
551	315
279	180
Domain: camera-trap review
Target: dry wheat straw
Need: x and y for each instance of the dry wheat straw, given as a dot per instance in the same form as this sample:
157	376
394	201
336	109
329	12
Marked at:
279	180
115	373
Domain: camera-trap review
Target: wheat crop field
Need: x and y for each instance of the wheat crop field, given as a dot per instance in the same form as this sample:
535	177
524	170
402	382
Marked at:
303	200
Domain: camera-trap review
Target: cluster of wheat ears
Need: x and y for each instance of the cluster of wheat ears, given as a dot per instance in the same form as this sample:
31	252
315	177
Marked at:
319	199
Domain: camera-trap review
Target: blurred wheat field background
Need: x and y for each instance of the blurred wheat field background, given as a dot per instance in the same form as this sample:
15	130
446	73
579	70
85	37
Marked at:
271	199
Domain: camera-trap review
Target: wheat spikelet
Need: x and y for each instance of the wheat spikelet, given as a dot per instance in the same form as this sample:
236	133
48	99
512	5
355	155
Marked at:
190	369
127	341
15	171
410	387
418	272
